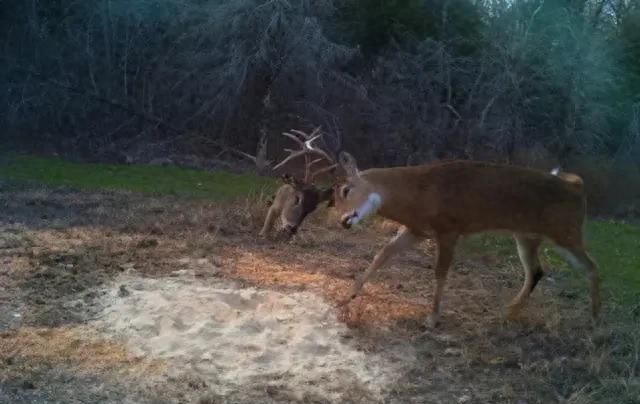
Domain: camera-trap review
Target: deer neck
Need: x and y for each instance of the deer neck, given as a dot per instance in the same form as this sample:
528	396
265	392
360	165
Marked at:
397	193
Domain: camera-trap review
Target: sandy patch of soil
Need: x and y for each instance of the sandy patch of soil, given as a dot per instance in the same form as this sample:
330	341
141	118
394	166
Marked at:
118	298
236	338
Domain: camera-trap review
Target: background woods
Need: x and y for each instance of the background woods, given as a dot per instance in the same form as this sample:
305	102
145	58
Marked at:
396	82
147	281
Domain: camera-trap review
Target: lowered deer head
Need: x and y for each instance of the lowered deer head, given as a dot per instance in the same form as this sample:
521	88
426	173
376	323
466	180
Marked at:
296	199
448	200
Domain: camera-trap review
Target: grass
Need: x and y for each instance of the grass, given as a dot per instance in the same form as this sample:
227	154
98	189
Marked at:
614	245
145	179
616	248
552	355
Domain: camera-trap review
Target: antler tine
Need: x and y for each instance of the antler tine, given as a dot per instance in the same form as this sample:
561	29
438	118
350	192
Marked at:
307	149
316	130
324	156
293	154
294	138
290	157
323	170
316	161
246	155
316	150
307	136
304	135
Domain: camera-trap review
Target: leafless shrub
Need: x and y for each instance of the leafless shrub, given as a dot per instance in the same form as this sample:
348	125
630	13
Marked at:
198	76
113	80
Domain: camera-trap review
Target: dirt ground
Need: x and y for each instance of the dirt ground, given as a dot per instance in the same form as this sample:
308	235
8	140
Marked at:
120	298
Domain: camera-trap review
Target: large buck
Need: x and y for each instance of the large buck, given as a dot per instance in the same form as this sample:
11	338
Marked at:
296	199
447	200
452	199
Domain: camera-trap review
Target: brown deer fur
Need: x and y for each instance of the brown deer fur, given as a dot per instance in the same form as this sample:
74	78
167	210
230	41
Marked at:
458	198
294	200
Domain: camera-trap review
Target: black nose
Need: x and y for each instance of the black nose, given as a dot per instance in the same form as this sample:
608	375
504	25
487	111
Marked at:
345	222
292	230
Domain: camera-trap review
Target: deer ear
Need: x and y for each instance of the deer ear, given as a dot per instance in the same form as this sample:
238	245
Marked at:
348	164
291	180
286	178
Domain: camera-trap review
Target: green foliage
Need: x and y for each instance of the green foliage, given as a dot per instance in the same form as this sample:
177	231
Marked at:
216	185
630	35
616	248
461	25
372	24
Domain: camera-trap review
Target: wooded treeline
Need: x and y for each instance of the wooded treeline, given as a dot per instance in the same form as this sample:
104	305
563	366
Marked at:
393	81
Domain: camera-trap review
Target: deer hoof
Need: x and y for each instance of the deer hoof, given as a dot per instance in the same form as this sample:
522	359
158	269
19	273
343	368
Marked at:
513	310
433	320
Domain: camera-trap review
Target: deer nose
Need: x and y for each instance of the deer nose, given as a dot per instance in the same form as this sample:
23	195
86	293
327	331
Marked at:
292	229
346	219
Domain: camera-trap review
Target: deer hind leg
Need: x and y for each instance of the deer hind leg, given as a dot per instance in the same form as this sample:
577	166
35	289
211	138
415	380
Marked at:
578	258
446	247
528	253
403	239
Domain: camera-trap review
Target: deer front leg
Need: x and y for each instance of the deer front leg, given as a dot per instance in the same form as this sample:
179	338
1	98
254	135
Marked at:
272	215
446	246
403	239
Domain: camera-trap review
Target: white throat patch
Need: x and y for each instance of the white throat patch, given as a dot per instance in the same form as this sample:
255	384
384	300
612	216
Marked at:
369	207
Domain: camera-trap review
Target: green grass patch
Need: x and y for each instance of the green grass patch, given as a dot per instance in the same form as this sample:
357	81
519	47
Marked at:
156	180
615	246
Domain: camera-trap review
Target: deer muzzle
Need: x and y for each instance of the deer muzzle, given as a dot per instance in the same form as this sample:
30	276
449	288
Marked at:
349	219
291	229
368	208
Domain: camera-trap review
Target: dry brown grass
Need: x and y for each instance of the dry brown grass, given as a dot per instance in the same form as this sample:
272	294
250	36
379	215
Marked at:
79	347
551	354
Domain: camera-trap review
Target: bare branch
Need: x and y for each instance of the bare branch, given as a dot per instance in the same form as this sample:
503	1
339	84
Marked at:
260	158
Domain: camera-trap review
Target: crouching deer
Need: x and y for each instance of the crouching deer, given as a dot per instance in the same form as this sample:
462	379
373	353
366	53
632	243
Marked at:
452	199
293	202
295	199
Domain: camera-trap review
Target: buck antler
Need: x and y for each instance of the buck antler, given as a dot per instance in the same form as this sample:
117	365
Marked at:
305	141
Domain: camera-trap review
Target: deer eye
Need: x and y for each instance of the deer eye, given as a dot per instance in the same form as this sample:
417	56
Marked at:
344	192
